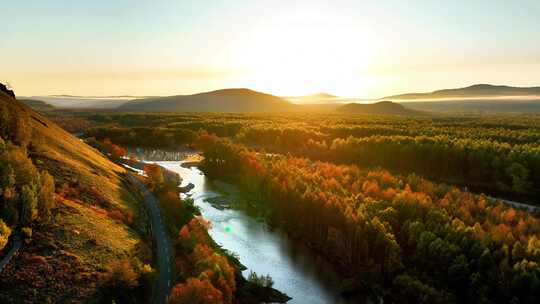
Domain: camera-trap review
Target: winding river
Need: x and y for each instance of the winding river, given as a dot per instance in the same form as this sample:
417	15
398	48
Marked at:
295	270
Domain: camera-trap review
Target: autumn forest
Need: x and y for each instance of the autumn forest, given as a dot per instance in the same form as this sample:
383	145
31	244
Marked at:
406	209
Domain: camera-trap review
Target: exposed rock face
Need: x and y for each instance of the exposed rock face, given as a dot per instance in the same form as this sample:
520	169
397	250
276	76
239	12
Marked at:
4	88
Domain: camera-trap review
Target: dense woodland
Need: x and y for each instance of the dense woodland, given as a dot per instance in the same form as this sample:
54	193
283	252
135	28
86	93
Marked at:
373	195
426	242
498	155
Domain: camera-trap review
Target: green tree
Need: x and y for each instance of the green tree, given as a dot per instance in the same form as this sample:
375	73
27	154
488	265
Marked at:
22	129
5	232
46	196
154	173
411	290
520	177
29	199
458	274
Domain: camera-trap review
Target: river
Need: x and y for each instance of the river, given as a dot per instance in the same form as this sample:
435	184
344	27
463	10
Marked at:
295	270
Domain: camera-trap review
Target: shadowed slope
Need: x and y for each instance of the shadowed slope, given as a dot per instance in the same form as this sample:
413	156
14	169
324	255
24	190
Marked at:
228	100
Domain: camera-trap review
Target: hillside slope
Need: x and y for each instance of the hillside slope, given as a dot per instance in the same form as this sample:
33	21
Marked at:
37	105
477	90
68	257
228	100
378	108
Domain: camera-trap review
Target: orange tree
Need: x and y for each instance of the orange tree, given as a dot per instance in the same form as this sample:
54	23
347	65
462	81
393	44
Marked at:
396	231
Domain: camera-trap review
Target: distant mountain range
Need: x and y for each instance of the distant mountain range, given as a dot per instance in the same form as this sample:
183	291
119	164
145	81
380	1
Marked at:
480	98
227	100
81	102
378	108
474	91
127	97
478	106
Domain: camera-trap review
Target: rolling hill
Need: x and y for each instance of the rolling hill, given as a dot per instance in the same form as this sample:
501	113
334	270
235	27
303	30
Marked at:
67	256
479	98
227	100
82	102
378	108
478	106
320	99
474	91
37	105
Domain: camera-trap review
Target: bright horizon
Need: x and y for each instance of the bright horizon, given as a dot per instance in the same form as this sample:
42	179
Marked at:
346	48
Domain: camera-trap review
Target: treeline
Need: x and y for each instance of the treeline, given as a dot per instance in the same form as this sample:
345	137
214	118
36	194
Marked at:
504	129
26	193
491	165
422	242
499	155
144	137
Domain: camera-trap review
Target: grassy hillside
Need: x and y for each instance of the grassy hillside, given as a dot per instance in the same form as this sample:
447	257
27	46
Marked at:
228	100
68	257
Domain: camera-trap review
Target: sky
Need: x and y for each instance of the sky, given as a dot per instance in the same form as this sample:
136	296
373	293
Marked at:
360	48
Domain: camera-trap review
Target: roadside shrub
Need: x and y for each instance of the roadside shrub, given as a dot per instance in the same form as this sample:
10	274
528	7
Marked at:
5	232
195	291
121	274
46	196
27	232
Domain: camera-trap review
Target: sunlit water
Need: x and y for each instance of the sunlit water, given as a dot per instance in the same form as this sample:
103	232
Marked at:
295	270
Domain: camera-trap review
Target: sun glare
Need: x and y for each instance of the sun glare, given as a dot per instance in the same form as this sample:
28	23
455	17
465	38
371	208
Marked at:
304	58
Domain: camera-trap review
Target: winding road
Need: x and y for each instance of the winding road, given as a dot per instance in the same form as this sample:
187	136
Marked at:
163	245
17	243
528	207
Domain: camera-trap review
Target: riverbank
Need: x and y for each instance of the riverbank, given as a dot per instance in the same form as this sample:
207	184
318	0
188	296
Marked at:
234	196
295	269
247	292
162	243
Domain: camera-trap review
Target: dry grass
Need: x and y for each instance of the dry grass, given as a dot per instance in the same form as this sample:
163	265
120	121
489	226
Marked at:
71	161
83	234
92	235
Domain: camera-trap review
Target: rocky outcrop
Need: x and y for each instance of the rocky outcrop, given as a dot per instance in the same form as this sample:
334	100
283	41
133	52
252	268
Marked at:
186	188
6	90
